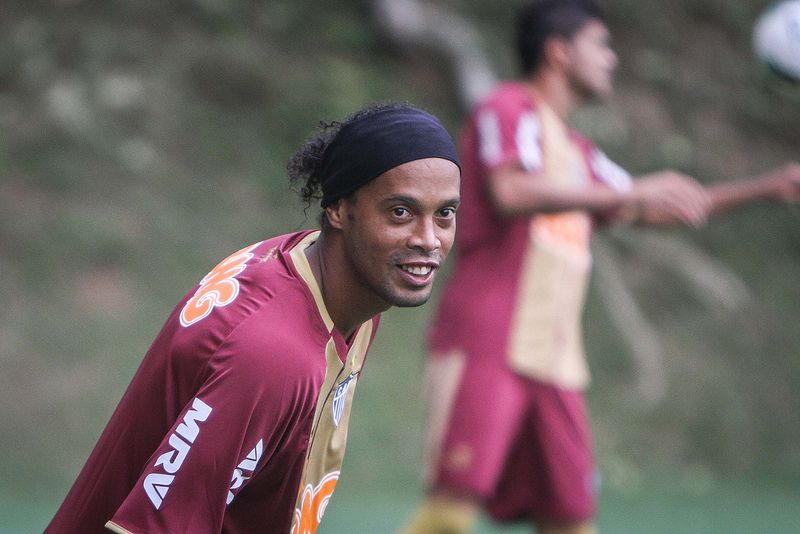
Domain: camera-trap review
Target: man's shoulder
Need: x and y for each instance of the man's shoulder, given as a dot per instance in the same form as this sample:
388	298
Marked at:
253	273
279	335
508	96
254	292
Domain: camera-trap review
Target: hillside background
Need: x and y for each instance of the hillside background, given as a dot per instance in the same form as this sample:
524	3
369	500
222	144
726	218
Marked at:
143	141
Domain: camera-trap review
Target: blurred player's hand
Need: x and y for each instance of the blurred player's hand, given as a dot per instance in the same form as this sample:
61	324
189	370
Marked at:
784	183
669	197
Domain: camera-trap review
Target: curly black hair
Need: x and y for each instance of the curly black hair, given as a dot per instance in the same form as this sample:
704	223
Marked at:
305	165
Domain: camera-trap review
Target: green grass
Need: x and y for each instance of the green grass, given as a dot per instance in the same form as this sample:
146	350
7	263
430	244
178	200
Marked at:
737	509
740	507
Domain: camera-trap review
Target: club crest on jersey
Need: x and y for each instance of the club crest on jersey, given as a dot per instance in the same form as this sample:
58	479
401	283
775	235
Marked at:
340	397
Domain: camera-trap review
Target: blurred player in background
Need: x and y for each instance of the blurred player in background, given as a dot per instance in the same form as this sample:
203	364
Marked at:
507	421
237	419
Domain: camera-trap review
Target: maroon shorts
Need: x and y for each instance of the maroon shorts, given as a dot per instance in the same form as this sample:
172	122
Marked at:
520	446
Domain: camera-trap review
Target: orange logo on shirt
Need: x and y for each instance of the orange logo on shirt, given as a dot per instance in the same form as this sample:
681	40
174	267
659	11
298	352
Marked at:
570	229
313	504
218	288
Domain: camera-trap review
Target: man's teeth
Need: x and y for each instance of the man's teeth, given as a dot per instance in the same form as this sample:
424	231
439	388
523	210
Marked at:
422	271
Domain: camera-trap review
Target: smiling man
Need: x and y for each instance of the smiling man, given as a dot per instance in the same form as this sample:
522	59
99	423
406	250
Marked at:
237	419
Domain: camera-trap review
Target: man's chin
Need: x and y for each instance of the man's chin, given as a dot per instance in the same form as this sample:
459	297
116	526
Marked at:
596	94
596	97
410	299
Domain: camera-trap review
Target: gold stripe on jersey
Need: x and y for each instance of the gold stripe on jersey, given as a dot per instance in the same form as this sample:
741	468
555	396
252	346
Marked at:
298	255
546	339
329	434
113	527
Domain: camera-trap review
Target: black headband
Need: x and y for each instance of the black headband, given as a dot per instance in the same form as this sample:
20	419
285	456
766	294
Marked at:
368	146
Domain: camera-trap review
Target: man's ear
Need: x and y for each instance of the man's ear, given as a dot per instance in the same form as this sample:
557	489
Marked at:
556	51
337	213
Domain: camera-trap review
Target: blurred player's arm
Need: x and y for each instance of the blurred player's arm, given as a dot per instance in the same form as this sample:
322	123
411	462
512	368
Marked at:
662	198
781	184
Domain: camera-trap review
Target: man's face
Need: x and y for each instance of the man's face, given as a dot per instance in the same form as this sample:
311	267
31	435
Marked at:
592	61
398	229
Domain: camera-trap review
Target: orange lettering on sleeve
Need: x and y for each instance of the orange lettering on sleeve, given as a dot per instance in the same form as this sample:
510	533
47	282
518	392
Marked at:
218	288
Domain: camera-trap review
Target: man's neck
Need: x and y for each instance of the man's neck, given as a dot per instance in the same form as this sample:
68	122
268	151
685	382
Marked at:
345	299
554	91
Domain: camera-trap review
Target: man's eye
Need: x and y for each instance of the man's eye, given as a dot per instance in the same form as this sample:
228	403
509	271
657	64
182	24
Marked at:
400	212
447	212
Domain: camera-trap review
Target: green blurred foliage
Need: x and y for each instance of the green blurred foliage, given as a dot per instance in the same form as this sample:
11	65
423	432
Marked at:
145	140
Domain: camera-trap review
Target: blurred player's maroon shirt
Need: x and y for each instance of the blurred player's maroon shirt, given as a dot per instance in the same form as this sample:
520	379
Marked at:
237	418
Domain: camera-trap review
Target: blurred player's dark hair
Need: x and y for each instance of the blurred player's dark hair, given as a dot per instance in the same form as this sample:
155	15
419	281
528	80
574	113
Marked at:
539	19
305	165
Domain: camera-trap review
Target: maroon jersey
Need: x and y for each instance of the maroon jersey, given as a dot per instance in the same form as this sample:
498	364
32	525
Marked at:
527	313
239	407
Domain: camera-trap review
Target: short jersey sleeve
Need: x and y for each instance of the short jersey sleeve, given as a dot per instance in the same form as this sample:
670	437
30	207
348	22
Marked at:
251	408
508	130
608	172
